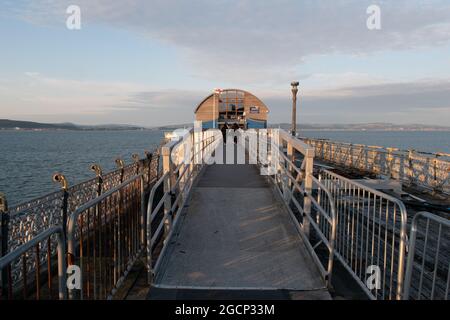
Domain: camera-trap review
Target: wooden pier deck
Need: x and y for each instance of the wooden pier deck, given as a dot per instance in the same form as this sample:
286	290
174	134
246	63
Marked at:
236	239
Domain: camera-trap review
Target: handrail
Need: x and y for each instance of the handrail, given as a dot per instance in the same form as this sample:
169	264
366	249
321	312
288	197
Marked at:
428	171
74	216
44	235
329	217
186	172
427	266
284	168
356	204
107	213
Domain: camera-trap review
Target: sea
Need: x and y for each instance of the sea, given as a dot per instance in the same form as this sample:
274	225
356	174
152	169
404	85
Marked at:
28	159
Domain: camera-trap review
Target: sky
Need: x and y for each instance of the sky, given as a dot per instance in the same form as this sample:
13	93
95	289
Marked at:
150	62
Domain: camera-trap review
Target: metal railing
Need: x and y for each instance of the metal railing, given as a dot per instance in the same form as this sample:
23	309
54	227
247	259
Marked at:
371	232
428	268
105	237
25	222
295	186
430	171
35	283
182	162
30	218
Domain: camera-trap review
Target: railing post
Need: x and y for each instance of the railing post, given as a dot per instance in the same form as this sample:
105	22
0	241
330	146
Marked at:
291	156
410	167
136	160
4	226
120	233
121	165
401	169
435	182
167	168
309	157
98	173
140	170
148	156
61	179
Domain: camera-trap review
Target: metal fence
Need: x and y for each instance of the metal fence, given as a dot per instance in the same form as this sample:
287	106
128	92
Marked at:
308	201
182	161
371	234
430	171
39	282
428	269
25	222
105	237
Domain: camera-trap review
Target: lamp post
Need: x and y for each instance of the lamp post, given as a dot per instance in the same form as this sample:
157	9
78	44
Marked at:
294	90
217	91
214	110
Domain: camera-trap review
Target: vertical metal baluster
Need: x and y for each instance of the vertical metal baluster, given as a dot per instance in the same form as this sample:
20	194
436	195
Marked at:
392	262
372	252
422	269
107	208
357	246
88	251
367	233
448	284
385	247
95	284
352	212
83	276
436	262
38	273
346	225
380	212
49	268
24	275
100	252
116	236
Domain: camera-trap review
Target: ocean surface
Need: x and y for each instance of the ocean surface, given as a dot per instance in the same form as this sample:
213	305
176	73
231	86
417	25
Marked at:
28	159
427	141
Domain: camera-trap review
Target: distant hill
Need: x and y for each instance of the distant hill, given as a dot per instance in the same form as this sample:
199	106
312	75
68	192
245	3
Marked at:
379	126
6	124
15	124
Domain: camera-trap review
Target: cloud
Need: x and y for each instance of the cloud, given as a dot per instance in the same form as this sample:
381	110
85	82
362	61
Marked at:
53	99
253	43
36	96
424	101
256	40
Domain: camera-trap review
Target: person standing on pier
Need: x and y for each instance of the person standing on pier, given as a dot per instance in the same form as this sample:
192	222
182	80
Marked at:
224	132
235	127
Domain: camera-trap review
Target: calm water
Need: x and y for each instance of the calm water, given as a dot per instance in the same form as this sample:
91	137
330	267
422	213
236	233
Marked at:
29	159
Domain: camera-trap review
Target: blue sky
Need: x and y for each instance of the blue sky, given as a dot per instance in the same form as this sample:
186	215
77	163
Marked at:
150	62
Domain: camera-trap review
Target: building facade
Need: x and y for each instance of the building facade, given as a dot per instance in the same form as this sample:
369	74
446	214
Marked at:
232	106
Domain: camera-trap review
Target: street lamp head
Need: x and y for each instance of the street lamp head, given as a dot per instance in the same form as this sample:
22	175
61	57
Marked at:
294	83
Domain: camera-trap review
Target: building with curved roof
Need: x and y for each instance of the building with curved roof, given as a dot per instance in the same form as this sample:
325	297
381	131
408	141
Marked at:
232	106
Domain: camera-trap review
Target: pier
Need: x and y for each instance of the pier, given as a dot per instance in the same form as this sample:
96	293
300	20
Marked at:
291	222
235	235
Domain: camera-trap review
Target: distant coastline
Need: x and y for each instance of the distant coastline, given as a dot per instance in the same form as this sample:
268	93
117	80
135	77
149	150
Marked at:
18	125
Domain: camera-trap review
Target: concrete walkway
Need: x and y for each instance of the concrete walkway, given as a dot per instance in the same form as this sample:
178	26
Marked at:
235	235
